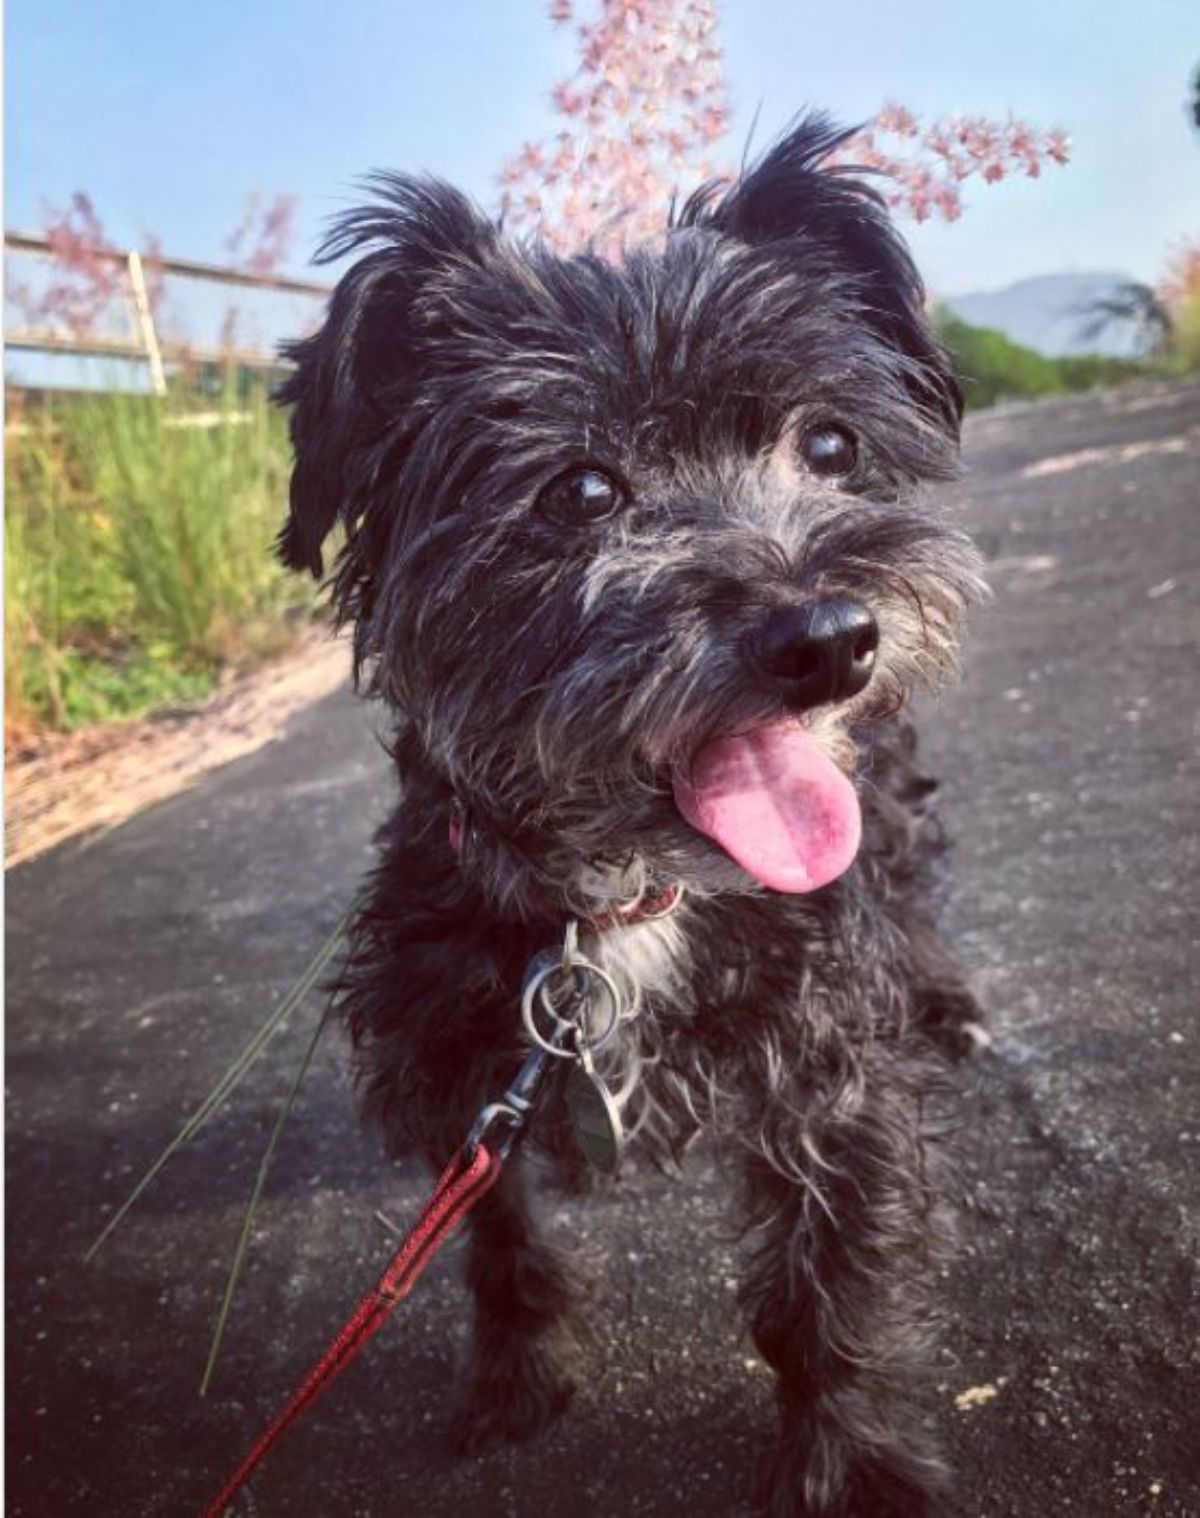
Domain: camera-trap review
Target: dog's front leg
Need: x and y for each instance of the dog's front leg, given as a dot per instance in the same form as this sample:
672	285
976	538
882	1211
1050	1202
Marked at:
844	1225
532	1321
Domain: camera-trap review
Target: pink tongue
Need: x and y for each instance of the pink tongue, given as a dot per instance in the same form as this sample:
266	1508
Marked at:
776	802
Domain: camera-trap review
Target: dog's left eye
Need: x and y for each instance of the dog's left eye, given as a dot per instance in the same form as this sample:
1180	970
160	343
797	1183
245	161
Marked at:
830	451
582	495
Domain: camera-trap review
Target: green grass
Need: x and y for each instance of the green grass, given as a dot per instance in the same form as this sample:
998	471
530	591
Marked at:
138	557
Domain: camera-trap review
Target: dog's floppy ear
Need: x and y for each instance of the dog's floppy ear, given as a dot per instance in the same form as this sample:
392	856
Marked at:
792	197
356	375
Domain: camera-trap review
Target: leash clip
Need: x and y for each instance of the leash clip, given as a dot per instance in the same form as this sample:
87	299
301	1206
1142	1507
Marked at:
512	1110
506	1112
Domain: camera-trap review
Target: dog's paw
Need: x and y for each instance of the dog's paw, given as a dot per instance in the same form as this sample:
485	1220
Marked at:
828	1481
973	1039
513	1395
955	1023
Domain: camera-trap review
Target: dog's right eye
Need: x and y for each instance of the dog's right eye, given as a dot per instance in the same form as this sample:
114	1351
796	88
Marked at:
580	496
830	451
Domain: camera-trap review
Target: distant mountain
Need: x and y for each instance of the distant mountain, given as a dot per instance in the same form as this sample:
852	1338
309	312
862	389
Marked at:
1047	313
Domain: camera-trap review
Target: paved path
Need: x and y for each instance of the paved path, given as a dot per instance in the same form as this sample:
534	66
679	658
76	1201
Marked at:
139	963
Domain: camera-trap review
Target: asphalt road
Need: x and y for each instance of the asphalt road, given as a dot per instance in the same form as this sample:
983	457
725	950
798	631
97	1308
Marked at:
1069	1384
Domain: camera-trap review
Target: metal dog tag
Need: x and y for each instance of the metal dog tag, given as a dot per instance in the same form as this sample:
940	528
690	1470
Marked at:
594	1117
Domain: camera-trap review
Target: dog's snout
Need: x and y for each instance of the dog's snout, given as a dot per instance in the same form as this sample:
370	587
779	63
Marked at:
818	651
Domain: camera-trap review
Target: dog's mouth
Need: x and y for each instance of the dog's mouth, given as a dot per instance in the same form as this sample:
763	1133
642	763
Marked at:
776	803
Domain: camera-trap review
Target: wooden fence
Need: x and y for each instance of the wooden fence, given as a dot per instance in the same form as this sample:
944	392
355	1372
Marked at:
143	343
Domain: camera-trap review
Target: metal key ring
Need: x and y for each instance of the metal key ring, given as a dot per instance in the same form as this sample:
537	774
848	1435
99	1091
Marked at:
536	991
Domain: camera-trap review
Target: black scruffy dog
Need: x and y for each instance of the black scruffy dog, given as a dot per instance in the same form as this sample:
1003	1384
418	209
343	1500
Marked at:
637	553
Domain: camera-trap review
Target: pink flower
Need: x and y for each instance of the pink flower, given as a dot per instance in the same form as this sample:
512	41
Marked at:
896	118
648	96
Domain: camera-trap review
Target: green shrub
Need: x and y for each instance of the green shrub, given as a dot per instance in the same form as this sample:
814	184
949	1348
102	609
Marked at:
992	368
1092	371
138	550
1185	336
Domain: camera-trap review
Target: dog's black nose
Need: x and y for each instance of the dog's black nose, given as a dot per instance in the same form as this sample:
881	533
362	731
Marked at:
818	651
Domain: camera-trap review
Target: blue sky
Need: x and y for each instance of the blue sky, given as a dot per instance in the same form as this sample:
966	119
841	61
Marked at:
169	114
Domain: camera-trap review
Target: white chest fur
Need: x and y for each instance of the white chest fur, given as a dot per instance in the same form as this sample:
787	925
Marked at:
645	958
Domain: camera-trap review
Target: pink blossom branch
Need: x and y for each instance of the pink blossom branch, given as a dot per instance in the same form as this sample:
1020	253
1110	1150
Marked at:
85	291
926	165
639	114
648	101
83	286
260	243
1179	283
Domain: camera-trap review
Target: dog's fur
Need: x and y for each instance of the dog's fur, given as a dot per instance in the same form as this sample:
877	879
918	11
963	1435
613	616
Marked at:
550	678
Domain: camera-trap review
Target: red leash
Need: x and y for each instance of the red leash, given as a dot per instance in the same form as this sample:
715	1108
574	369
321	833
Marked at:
472	1172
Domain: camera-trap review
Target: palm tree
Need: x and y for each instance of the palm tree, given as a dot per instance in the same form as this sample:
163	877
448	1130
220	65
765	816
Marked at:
1136	306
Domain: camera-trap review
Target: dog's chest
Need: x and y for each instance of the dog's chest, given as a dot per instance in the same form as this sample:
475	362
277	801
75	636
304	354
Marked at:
644	959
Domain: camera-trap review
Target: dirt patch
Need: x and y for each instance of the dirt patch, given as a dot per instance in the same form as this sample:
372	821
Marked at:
97	777
1063	462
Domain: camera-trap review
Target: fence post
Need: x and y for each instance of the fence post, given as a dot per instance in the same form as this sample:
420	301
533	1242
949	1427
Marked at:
141	300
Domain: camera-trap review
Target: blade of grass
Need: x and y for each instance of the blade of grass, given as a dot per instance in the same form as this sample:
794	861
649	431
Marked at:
232	1076
260	1180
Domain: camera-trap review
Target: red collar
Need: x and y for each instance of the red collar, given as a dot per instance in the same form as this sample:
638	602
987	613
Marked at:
645	909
